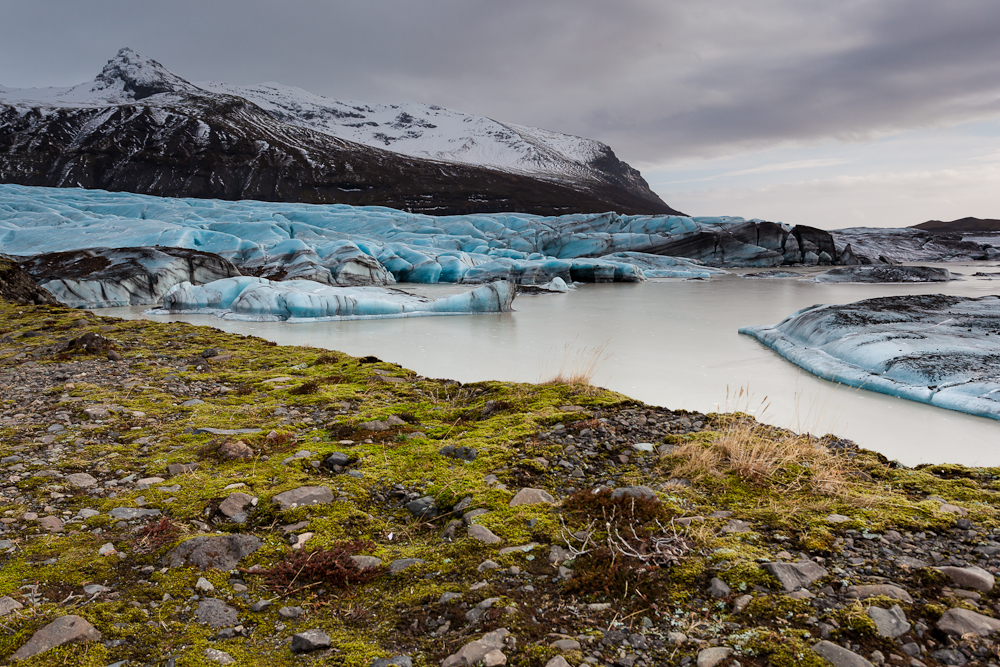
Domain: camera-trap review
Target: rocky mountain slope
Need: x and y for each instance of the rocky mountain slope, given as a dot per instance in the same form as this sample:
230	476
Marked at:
140	128
961	225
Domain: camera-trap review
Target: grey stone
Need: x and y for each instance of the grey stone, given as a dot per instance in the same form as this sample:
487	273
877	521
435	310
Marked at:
235	503
566	645
181	468
397	566
710	657
53	524
303	496
483	534
221	657
838	518
398	661
476	650
476	613
309	641
795	575
488	565
872	590
291	612
260	605
472	514
366	562
717	588
422	508
190	403
972	577
374	426
9	604
740	603
890	622
81	480
216	613
339	459
204	585
63	630
557	661
226	431
129	513
736	526
638	492
220	552
911	563
960	622
530	496
839	656
95	589
949	656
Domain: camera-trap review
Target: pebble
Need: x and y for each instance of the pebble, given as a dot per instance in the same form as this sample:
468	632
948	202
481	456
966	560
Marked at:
63	630
309	641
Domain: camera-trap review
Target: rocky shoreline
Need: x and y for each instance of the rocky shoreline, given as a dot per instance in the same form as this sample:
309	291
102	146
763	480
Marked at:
175	495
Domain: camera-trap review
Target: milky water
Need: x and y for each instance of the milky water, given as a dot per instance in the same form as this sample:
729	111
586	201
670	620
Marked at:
670	343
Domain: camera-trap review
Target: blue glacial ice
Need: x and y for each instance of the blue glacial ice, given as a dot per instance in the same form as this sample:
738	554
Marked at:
260	300
342	245
936	349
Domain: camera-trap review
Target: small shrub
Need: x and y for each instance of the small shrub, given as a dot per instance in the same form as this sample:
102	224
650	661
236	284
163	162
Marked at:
309	387
332	568
154	536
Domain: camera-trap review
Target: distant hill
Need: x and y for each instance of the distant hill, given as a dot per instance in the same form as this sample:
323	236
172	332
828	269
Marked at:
960	225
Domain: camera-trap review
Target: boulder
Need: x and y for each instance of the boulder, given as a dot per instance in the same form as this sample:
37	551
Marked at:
890	622
972	577
839	656
872	590
958	622
302	496
206	552
795	575
475	651
530	496
63	630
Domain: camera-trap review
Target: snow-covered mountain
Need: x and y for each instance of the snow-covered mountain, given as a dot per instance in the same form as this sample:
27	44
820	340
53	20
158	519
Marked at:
434	133
139	127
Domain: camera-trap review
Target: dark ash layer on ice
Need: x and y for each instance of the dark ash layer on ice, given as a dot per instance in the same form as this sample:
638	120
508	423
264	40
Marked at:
885	274
936	349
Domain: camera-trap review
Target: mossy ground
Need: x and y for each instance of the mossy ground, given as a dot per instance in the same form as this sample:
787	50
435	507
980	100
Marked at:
307	399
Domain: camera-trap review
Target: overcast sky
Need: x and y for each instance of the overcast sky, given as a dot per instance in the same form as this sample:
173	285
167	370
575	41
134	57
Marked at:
880	112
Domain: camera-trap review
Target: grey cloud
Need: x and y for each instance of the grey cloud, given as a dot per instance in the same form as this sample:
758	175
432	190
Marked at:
655	80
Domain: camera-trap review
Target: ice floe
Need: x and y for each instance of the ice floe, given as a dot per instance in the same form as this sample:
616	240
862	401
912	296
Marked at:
936	349
885	274
262	300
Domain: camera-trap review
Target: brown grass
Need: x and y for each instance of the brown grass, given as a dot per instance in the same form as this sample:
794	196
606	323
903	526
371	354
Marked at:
767	456
578	367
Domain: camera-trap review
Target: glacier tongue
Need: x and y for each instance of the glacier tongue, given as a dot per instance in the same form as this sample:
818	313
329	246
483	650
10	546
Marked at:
258	299
936	349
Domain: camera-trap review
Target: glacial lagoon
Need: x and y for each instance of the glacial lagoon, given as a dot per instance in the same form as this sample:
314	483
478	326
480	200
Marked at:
666	342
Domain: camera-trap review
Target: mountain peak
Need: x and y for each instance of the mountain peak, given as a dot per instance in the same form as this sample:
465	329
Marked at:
139	76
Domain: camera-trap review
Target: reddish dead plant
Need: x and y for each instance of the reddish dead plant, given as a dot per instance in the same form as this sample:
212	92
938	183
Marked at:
152	537
333	568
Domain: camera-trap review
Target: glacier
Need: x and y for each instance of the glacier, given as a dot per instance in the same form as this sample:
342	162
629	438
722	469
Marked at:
254	299
935	349
341	245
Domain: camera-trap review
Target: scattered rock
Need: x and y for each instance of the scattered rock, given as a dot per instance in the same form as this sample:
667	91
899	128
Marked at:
309	641
566	645
129	513
397	566
9	604
422	508
398	661
795	575
717	588
206	552
639	492
235	503
235	451
221	657
107	549
216	613
872	590
710	657
476	613
960	622
839	656
302	496
460	453
366	562
972	577
475	651
204	585
529	496
890	622
63	630
181	468
80	480
291	612
557	661
483	534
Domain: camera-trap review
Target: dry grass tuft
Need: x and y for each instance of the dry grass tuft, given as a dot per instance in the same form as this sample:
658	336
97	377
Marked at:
767	456
578	367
